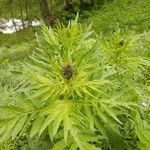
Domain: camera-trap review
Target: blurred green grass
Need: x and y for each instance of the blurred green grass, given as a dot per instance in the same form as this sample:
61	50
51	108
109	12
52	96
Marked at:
16	46
131	14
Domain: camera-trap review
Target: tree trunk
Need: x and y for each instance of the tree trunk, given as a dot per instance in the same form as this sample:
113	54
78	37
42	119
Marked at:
21	12
92	2
12	15
82	3
27	11
47	16
68	5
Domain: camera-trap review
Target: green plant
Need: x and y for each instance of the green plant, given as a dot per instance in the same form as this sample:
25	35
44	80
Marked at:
77	89
143	132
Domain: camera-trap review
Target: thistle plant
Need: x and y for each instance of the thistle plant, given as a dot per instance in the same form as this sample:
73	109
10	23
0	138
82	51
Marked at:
72	91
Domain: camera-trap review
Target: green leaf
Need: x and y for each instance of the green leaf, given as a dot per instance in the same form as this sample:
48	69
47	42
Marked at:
73	146
19	125
36	125
56	124
111	113
48	120
60	145
9	127
67	126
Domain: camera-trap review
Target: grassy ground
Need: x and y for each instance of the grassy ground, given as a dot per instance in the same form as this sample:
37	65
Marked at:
16	46
133	15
